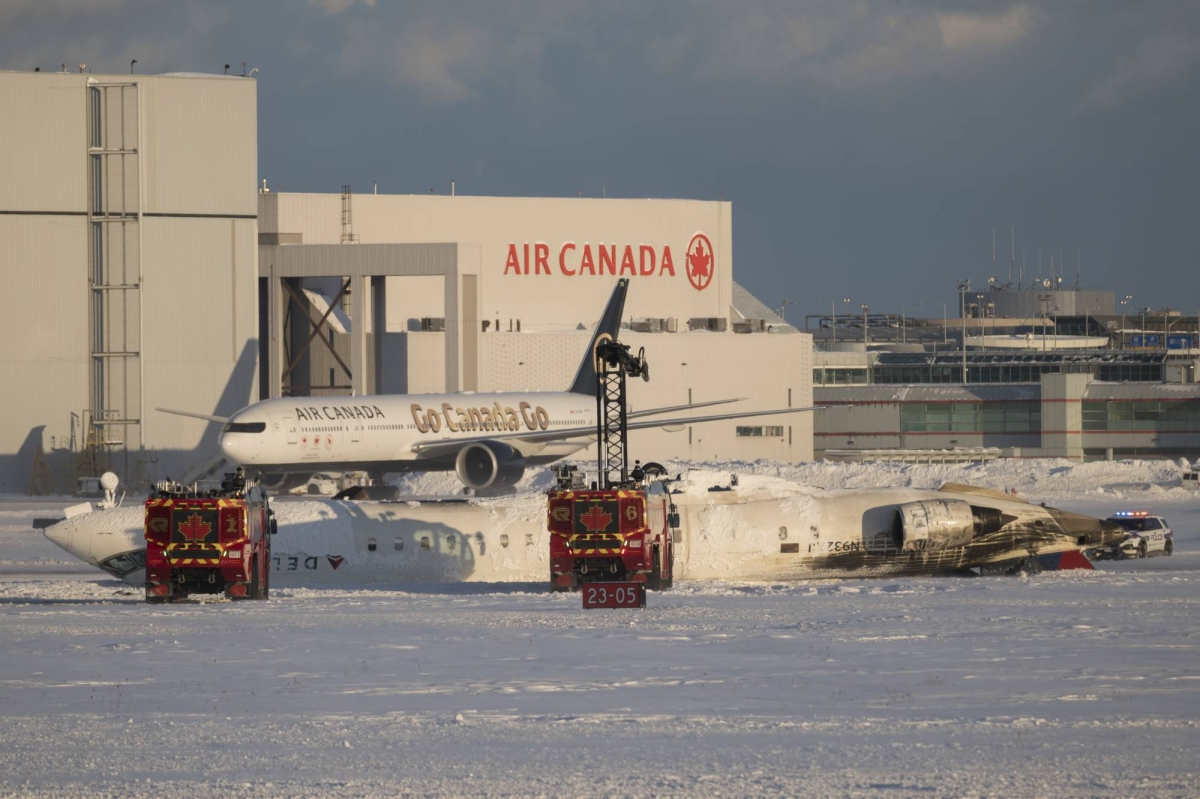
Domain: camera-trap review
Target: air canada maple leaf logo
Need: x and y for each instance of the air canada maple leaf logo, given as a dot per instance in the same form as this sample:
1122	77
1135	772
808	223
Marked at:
596	520
701	262
194	528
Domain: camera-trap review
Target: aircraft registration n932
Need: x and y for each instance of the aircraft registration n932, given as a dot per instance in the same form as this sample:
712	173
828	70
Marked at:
487	439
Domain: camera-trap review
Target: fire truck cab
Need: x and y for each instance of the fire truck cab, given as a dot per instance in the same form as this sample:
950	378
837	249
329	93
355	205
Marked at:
208	542
614	535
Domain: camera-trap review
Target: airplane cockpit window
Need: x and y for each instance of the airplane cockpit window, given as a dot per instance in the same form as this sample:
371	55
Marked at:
126	562
244	427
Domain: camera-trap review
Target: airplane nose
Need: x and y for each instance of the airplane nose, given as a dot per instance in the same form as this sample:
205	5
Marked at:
58	535
230	448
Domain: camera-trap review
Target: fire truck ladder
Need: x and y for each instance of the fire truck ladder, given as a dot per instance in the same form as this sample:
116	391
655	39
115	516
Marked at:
613	364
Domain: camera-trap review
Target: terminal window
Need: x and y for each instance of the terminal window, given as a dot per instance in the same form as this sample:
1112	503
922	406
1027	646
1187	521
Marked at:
776	432
961	417
1166	415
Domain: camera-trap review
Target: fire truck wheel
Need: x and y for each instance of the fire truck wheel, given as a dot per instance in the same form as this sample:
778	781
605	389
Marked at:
255	591
266	575
654	581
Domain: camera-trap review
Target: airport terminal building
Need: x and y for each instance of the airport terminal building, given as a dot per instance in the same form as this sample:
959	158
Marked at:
147	268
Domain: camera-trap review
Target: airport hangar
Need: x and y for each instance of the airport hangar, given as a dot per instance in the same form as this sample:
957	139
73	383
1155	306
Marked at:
148	269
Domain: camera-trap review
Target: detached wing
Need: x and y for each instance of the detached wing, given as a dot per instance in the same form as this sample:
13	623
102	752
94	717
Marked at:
447	446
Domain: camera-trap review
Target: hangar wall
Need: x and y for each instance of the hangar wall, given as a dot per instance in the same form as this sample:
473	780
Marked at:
646	240
545	269
128	227
773	371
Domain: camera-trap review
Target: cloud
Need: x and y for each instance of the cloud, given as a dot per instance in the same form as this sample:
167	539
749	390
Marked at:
841	44
335	7
977	32
80	31
442	60
13	11
1154	62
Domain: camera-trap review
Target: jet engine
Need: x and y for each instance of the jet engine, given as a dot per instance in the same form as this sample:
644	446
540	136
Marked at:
489	464
934	524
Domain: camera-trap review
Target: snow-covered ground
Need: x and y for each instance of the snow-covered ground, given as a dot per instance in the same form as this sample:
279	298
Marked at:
1061	684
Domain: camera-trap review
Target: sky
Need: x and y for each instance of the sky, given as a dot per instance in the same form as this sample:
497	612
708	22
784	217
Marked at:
868	148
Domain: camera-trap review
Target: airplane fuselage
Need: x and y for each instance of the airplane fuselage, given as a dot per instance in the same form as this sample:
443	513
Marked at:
384	432
775	534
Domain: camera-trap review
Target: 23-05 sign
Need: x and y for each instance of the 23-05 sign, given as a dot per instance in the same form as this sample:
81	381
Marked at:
614	595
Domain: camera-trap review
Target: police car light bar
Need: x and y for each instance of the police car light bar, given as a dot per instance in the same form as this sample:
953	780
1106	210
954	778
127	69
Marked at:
1132	513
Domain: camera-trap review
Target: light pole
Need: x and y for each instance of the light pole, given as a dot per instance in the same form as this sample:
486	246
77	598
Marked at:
963	287
1124	304
979	311
1044	299
782	308
866	309
936	302
833	314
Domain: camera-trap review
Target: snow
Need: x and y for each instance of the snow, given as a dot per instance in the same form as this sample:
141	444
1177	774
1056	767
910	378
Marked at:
1064	684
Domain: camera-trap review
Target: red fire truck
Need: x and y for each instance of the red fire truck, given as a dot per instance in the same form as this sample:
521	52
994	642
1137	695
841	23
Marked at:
208	542
613	535
619	530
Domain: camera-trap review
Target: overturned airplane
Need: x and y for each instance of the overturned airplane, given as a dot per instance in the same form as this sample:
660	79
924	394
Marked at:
773	530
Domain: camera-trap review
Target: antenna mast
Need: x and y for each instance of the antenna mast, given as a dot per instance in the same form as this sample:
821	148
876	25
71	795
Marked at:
993	253
1013	261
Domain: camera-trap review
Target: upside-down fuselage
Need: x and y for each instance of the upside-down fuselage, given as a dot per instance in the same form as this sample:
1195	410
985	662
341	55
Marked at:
727	535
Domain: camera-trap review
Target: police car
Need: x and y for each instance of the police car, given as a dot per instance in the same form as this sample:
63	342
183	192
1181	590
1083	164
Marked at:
1148	535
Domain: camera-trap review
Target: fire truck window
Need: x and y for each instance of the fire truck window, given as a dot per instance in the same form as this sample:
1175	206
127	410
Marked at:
504	540
399	544
370	544
424	542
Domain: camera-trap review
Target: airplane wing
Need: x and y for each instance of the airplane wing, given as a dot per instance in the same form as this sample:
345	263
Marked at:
448	446
674	408
205	416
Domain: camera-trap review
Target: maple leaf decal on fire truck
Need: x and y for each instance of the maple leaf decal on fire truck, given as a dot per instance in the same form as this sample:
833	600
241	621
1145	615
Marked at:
194	528
596	520
700	266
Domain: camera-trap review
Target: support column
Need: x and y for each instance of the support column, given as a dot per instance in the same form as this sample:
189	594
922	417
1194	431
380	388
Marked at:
275	300
358	335
378	329
453	331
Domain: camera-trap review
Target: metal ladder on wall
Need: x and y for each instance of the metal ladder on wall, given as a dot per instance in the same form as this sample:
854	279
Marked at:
114	268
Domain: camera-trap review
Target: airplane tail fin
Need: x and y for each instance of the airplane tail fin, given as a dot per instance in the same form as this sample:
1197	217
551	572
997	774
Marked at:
609	327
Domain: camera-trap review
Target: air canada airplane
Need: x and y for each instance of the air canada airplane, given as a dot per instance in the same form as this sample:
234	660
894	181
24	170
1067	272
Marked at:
771	531
488	439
